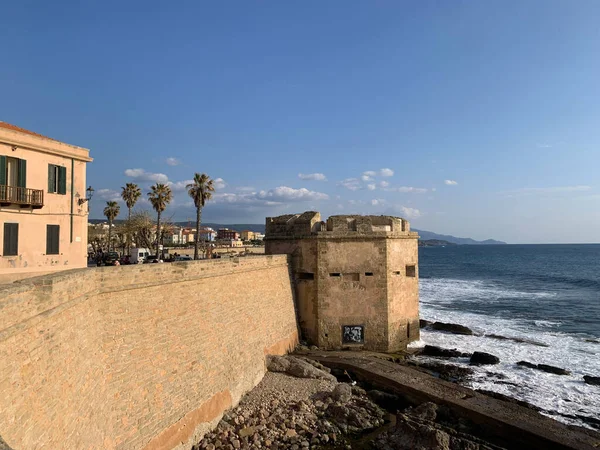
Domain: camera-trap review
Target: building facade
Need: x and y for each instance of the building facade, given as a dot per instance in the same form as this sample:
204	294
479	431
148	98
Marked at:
247	235
43	204
207	234
355	277
226	234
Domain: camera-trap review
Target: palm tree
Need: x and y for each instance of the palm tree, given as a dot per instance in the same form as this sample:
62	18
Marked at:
160	196
200	189
111	212
130	195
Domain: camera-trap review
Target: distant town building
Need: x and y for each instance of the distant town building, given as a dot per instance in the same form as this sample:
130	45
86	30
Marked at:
43	203
226	233
188	235
248	235
207	234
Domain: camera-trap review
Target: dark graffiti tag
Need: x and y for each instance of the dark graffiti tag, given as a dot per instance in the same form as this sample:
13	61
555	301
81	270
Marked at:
353	334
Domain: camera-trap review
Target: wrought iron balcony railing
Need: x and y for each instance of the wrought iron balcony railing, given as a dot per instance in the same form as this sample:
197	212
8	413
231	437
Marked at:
13	195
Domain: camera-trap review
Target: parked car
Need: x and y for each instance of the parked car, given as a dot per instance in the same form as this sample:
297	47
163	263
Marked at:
151	259
183	258
139	255
110	259
125	260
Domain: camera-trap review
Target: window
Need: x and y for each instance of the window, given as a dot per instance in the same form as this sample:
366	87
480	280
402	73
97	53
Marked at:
13	171
52	239
397	272
411	271
335	274
368	274
57	179
11	239
305	276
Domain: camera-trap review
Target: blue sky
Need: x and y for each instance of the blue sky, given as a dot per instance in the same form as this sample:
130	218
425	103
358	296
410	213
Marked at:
477	119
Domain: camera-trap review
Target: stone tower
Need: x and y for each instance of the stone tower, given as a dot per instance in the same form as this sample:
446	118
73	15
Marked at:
355	278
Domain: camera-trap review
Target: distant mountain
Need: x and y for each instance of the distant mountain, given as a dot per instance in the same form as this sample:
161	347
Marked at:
434	243
260	228
428	235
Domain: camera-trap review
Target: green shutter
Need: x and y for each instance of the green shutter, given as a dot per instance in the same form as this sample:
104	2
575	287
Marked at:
22	180
62	180
2	169
52	239
11	239
51	178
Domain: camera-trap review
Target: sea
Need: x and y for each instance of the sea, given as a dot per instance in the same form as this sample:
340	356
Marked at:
548	296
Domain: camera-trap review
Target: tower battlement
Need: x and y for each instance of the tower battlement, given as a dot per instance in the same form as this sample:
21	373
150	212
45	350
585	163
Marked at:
355	277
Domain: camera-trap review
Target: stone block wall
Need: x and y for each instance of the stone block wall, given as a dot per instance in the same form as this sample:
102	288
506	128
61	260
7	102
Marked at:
136	357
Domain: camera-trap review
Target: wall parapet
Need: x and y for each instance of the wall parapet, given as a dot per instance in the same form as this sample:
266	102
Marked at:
135	357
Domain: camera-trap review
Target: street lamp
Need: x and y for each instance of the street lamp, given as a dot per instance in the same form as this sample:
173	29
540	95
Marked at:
89	193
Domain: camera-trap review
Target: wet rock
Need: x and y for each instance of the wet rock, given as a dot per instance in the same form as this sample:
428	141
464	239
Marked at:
448	372
545	368
425	411
515	339
591	380
481	358
433	350
451	328
424	323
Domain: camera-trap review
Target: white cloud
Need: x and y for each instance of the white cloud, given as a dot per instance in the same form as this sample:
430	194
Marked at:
433	189
406	189
219	183
377	202
108	194
350	183
172	161
386	172
179	186
409	213
312	176
142	175
451	182
370	173
384	184
366	177
371	187
287	194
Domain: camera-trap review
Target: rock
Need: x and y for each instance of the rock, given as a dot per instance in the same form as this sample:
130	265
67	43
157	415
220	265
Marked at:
388	401
425	411
433	350
357	390
448	372
302	369
553	369
424	323
506	398
515	339
235	443
290	433
480	358
451	328
246	431
342	393
591	380
314	347
277	363
545	368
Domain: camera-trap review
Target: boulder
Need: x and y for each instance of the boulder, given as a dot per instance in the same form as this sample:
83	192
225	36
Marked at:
545	368
342	393
433	350
425	411
448	372
451	328
591	380
481	358
277	363
424	323
301	369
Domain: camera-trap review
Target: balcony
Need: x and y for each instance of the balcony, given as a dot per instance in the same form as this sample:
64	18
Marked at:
24	197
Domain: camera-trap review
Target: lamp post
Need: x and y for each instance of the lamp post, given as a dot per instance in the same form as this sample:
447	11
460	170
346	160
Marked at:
89	194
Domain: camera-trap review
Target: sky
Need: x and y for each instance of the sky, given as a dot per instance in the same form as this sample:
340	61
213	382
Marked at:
476	119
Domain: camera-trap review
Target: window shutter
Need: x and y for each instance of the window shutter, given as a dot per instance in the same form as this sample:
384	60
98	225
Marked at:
62	180
22	179
11	239
52	239
2	169
51	178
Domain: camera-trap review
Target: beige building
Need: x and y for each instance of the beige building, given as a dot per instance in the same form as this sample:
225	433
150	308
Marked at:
356	278
247	235
43	210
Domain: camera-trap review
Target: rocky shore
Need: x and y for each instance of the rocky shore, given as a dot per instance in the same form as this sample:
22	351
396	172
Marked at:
300	405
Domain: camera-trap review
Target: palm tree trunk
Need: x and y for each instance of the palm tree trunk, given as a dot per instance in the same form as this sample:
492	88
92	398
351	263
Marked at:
109	233
129	232
196	243
157	235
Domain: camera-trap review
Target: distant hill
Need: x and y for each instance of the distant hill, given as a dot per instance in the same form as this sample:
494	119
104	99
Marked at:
434	243
260	228
428	235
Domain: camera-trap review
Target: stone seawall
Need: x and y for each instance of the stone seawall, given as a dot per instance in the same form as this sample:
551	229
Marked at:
136	357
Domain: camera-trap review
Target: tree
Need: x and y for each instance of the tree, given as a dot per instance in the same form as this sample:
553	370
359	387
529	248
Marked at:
111	211
200	190
130	194
160	196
